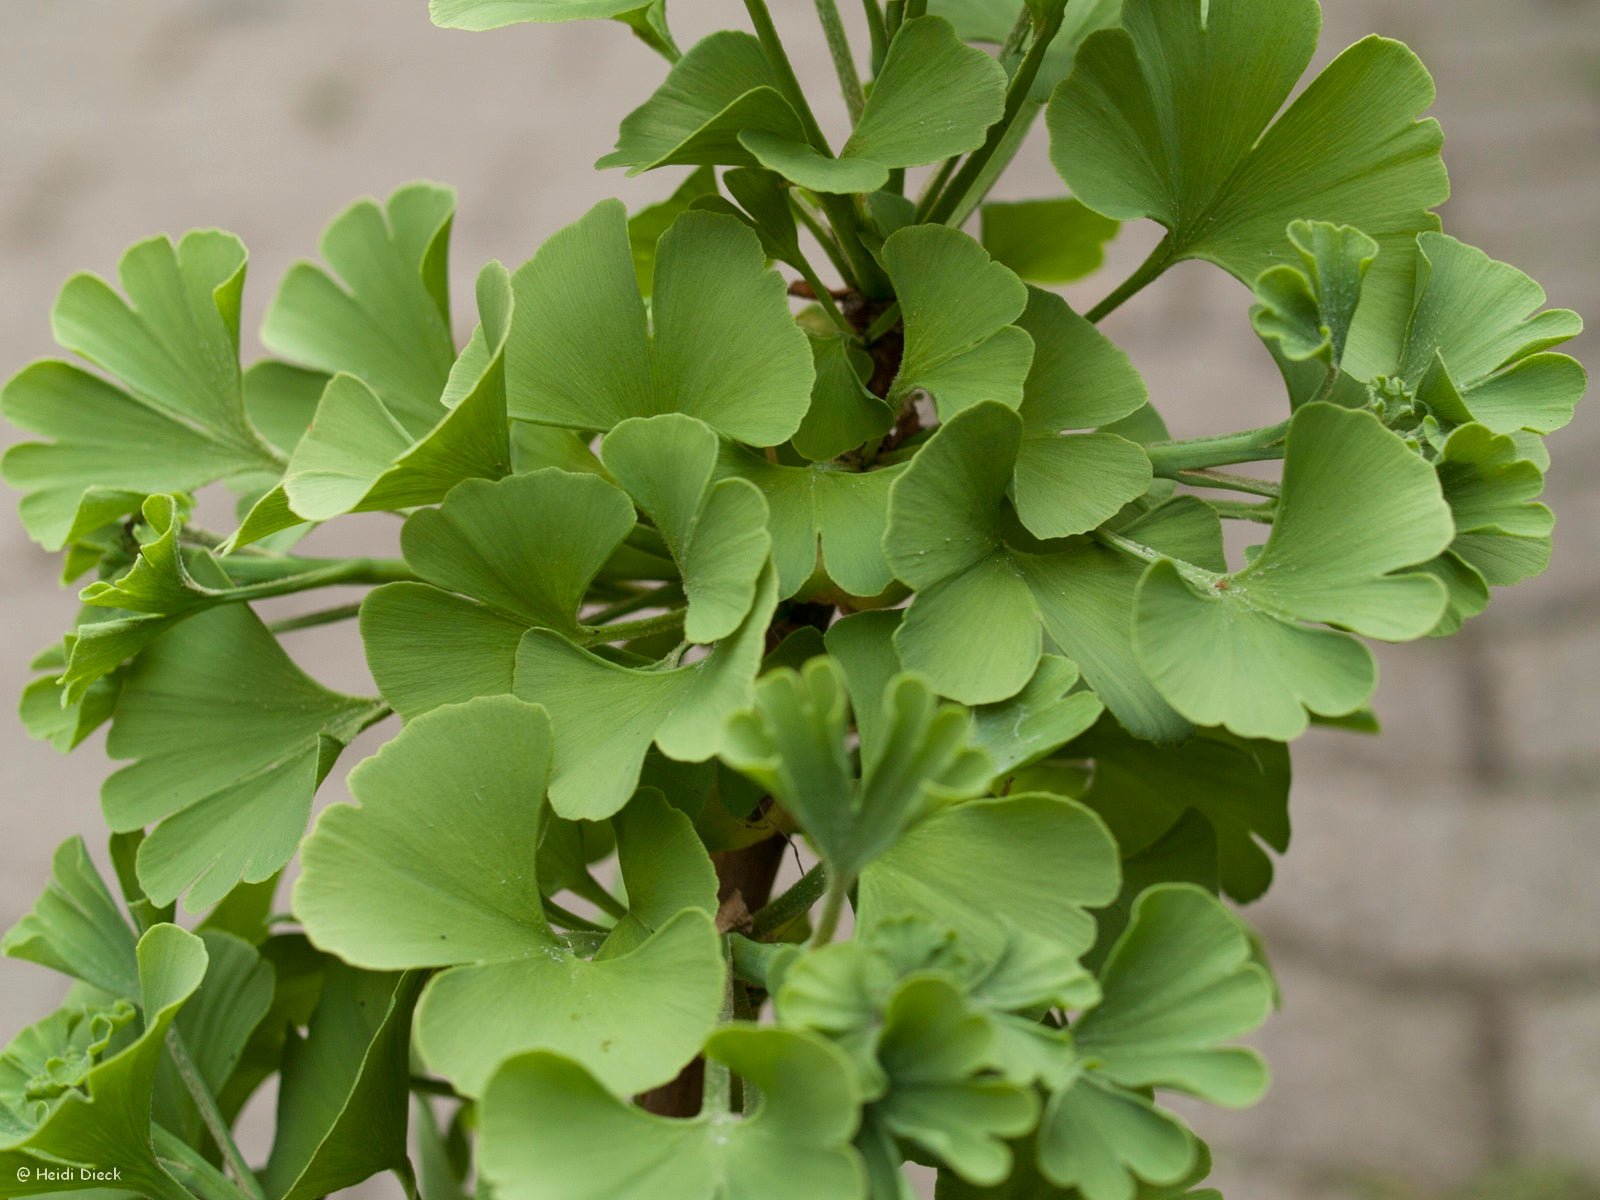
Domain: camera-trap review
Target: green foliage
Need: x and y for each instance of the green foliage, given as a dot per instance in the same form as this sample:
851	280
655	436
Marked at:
890	558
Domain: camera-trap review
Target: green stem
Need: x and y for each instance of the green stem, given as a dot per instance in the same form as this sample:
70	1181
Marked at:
627	631
644	598
788	908
827	925
998	163
1228	482
896	17
1168	459
829	243
915	9
1018	35
1016	98
887	320
844	63
825	300
1242	510
569	919
261	578
935	186
753	961
717	1096
195	1084
587	888
1149	271
878	31
311	620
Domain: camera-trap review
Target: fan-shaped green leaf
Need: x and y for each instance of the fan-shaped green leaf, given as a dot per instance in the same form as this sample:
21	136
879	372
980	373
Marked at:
1065	482
75	927
174	346
823	515
959	307
552	1131
1240	787
358	456
724	347
1104	1142
1476	347
1030	863
793	743
227	771
1357	506
607	716
64	717
497	559
1168	117
722	88
843	414
101	1120
934	1049
380	310
1501	530
1181	980
1305	313
646	226
436	868
715	530
952	538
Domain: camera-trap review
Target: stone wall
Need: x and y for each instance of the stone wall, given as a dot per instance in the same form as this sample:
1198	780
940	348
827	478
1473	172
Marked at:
1437	924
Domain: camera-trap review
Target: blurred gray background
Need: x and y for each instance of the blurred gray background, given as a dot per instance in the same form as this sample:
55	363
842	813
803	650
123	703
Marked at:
1437	924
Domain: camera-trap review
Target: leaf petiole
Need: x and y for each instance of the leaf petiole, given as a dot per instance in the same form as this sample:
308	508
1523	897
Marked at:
844	64
625	631
788	908
1170	459
195	1084
310	620
833	900
1149	271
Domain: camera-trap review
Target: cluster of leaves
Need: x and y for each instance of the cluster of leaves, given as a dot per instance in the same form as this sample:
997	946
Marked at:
915	572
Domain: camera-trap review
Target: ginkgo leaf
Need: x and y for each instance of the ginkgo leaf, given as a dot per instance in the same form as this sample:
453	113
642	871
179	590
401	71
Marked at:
1067	482
1167	116
359	456
1047	241
226	774
952	538
1502	532
497	559
793	743
985	868
1182	979
843	414
173	345
1476	346
1305	313
552	1131
720	343
1026	1183
75	927
436	868
934	98
64	718
1045	715
1357	506
934	1048
607	716
1239	786
825	515
721	88
716	530
1104	1141
380	310
345	1085
102	1121
646	226
959	305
